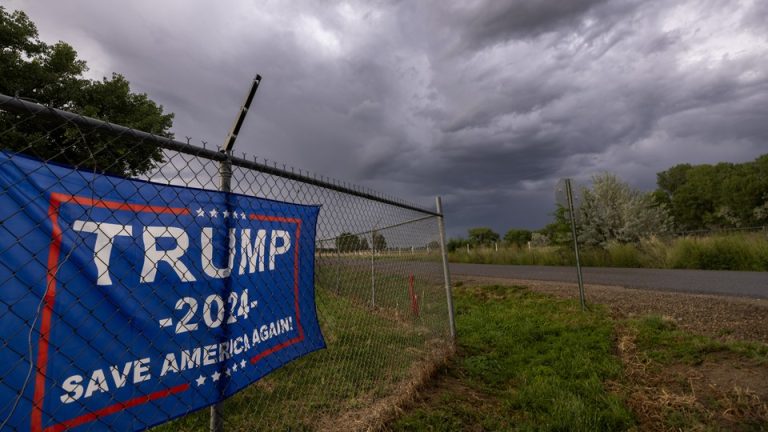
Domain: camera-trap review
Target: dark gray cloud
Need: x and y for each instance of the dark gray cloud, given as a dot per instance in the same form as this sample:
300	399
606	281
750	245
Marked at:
487	103
490	22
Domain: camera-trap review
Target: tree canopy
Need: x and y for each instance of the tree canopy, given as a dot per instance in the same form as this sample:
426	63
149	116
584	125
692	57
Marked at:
455	243
347	242
518	237
557	232
724	195
53	75
379	242
482	236
688	197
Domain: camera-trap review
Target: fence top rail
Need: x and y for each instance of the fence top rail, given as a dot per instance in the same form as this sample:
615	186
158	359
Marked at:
22	106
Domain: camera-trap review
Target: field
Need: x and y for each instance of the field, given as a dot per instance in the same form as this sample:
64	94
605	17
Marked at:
745	251
527	358
530	359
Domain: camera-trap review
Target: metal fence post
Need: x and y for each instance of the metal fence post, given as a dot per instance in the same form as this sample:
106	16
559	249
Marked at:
446	272
571	211
373	275
225	173
338	267
225	185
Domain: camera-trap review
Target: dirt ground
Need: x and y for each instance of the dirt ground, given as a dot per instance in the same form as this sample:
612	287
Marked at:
725	392
725	318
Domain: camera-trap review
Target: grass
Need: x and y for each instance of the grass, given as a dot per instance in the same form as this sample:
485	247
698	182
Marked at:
529	361
682	381
733	252
660	341
526	361
741	251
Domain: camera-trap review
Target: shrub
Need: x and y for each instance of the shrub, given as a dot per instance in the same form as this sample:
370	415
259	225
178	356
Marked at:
733	252
722	252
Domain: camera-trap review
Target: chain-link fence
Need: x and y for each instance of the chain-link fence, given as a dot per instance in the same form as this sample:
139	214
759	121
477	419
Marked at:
382	291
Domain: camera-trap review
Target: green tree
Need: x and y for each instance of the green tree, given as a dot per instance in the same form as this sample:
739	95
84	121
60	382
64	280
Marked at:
559	231
363	244
612	211
379	242
482	236
671	180
518	237
456	243
724	195
53	75
347	242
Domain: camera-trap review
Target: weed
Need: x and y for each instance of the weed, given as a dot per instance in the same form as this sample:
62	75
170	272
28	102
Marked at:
541	361
660	340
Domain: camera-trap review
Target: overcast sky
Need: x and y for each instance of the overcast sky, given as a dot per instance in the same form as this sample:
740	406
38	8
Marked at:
485	102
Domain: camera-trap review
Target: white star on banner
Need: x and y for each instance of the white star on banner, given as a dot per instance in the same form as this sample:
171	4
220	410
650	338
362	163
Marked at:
234	367
225	214
213	213
228	372
200	380
200	212
215	376
242	364
242	215
235	214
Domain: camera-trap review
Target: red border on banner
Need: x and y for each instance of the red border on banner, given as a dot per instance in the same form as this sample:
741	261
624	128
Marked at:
56	200
300	337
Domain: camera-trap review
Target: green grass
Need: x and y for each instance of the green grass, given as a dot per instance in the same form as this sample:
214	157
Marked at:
745	252
733	252
662	342
527	362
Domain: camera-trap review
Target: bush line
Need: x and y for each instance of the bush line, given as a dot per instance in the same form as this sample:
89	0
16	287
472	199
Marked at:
744	252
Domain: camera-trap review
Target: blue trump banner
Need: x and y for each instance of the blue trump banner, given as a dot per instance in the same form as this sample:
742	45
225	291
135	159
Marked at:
124	303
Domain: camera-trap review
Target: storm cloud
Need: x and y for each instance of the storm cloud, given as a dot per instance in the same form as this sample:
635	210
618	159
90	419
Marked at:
487	103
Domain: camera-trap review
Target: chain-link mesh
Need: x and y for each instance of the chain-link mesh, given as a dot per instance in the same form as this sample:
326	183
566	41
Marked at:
379	282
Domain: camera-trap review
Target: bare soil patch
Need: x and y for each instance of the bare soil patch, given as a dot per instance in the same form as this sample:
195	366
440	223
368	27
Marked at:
726	392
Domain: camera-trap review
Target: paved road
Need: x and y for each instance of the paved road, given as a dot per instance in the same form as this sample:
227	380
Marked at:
743	284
